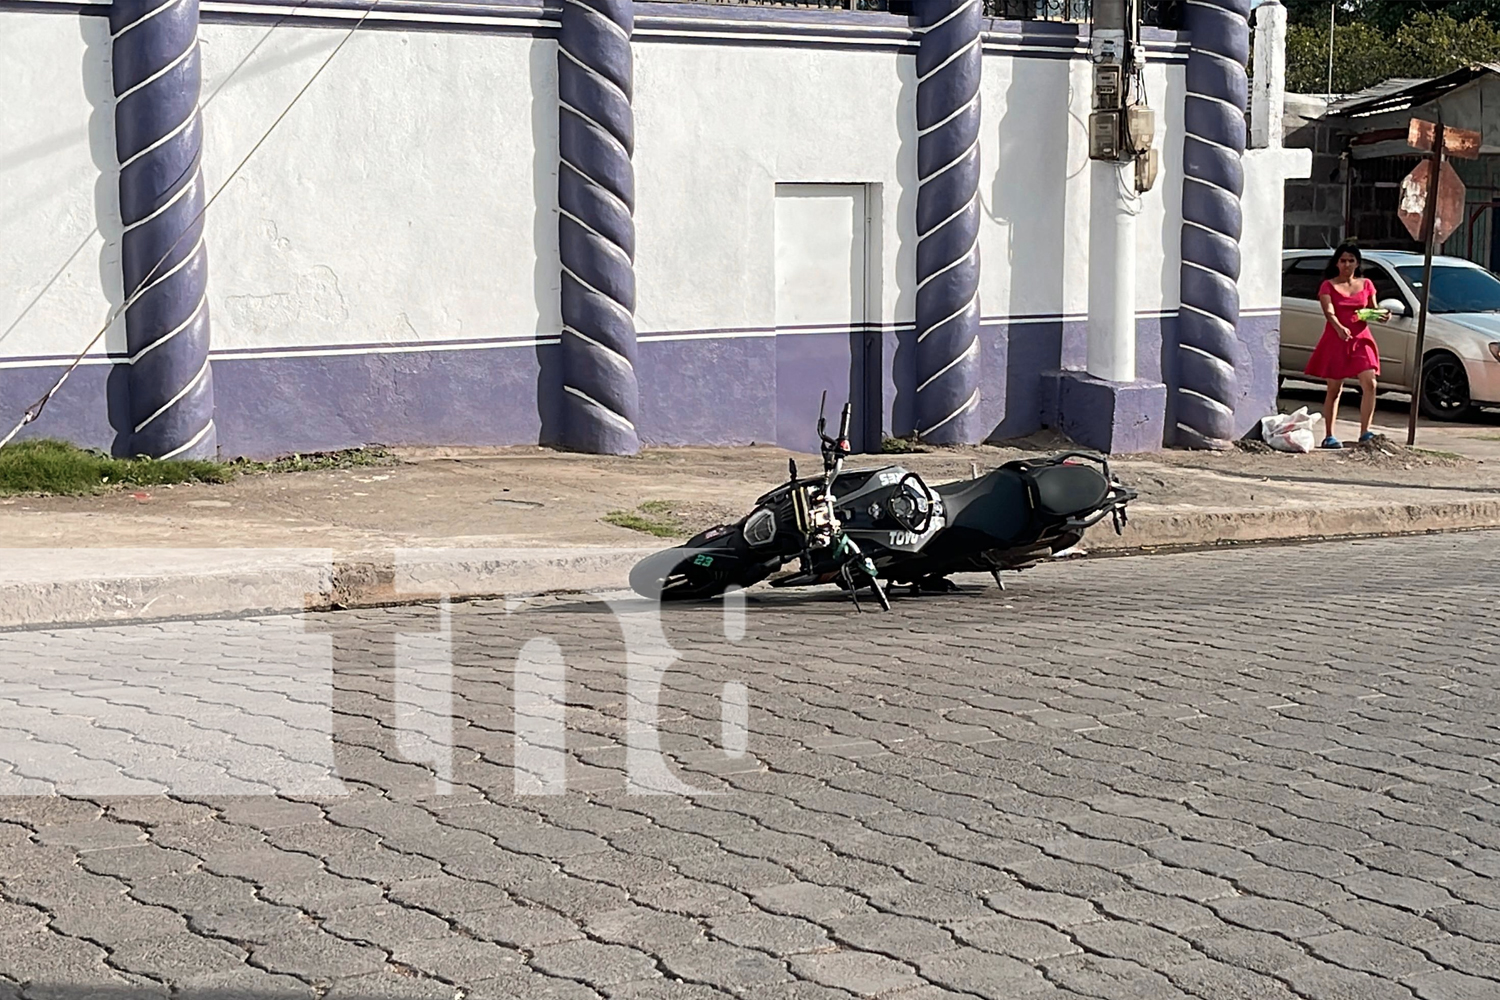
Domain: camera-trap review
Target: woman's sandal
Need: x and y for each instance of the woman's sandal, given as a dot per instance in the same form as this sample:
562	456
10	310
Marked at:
1367	437
1332	443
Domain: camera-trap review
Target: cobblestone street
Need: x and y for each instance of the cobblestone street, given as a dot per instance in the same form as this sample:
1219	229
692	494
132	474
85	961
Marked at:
1240	775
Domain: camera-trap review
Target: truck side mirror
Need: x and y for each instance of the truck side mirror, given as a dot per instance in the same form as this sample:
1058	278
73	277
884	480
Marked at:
1394	306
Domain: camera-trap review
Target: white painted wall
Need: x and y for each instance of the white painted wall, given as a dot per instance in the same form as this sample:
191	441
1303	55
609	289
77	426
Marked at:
716	129
1268	165
1266	172
1034	240
409	196
820	255
57	184
420	215
705	178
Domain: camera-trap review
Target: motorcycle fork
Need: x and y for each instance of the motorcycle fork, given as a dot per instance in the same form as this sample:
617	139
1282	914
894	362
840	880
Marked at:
856	558
846	550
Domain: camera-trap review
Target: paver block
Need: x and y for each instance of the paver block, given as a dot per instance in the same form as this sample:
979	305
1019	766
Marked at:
598	965
457	959
726	966
858	972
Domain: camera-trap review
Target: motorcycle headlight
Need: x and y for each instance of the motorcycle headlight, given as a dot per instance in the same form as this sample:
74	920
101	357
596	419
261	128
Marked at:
760	527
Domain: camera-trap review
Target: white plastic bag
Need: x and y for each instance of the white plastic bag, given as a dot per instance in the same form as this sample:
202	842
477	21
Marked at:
1300	431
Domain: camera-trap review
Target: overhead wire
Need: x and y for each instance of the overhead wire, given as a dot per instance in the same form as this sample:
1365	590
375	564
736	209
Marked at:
35	410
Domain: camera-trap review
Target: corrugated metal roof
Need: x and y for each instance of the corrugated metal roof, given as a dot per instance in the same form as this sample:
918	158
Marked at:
1413	94
1385	89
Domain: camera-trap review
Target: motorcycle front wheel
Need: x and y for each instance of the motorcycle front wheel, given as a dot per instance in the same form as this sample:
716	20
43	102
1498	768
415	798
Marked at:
691	574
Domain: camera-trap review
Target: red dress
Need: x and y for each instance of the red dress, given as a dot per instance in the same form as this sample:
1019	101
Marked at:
1335	358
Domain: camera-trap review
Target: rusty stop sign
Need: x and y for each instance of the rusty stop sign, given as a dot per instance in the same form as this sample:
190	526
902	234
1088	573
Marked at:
1457	142
1450	200
1432	204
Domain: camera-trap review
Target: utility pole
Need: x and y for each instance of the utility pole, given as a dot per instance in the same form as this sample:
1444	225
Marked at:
1121	130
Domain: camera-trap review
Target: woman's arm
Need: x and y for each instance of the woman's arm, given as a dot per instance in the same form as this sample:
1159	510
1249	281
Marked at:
1327	301
1372	301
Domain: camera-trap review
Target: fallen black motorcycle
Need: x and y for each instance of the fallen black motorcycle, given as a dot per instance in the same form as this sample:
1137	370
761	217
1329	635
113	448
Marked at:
885	527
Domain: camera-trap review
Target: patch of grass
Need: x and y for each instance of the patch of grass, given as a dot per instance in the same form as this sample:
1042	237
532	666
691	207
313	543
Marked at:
57	467
46	466
654	517
902	446
352	458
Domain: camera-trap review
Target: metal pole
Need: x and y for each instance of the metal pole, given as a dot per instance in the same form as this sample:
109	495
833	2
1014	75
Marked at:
1429	230
1332	9
1346	161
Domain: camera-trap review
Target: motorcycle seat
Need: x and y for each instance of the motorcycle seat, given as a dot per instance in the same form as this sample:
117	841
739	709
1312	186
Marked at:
995	504
1066	490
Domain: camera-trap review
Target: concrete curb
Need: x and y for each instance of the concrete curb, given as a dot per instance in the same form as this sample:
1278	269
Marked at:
1164	529
63	587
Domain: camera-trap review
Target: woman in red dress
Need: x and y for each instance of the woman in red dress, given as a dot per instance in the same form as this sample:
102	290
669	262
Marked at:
1346	350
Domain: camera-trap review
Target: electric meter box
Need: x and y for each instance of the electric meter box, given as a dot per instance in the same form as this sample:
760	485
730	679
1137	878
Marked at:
1146	166
1140	124
1109	86
1104	135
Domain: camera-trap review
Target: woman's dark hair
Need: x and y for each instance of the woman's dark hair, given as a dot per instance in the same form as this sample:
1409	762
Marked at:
1332	270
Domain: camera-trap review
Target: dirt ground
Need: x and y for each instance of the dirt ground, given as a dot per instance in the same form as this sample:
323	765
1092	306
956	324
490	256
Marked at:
528	496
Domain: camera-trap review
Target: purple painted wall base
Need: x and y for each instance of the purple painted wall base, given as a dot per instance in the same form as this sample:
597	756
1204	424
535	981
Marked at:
1013	356
1117	418
720	391
710	389
1257	362
276	406
92	410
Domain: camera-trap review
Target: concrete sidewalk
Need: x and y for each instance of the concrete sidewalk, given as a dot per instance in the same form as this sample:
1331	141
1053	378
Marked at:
516	521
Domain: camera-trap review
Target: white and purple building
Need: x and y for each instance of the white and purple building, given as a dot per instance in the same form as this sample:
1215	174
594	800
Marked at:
606	224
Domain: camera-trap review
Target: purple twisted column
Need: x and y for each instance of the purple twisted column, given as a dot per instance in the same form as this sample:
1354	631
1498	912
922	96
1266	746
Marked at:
947	350
596	231
1217	93
159	143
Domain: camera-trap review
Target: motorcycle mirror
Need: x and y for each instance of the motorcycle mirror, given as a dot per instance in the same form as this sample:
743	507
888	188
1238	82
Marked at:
822	407
791	467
